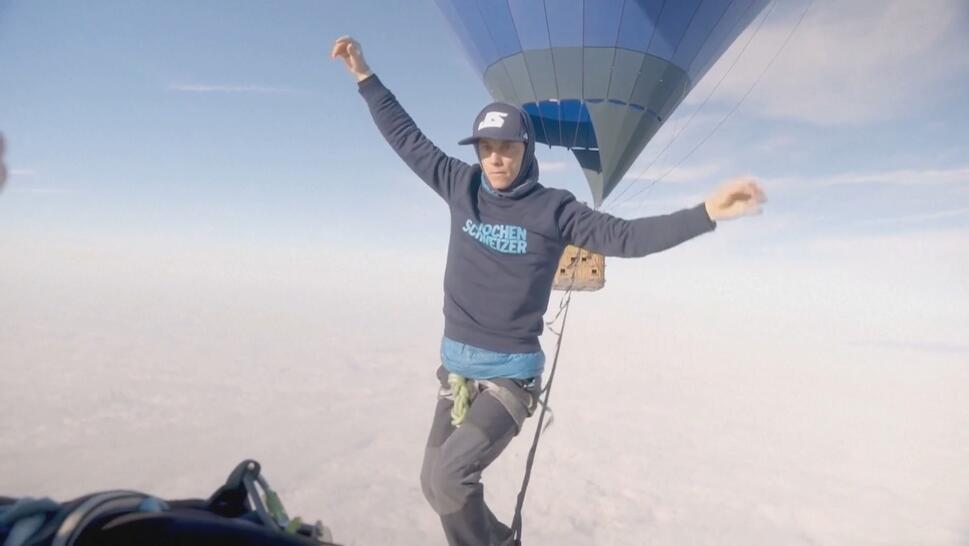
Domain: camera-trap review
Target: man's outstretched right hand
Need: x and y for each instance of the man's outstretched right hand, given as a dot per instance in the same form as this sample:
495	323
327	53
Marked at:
349	50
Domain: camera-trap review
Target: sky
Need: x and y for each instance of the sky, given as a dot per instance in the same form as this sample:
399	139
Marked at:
196	188
230	122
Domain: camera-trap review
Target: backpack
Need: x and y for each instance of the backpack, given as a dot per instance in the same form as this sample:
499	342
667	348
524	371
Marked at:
244	511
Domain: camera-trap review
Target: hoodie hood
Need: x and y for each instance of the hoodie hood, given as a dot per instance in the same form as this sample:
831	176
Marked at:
503	121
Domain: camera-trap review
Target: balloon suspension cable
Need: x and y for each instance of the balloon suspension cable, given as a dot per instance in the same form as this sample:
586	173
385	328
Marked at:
615	200
563	312
732	110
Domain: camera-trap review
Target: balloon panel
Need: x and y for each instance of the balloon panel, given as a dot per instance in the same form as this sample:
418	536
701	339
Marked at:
597	76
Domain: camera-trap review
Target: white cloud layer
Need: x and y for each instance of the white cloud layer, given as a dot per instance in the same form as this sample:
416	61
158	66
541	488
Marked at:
256	89
701	399
689	173
41	190
849	62
958	177
555	166
915	218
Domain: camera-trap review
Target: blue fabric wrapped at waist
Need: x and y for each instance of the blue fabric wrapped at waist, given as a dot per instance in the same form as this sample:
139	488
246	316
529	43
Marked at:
477	363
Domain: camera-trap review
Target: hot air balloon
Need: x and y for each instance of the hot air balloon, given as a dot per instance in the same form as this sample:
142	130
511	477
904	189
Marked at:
598	77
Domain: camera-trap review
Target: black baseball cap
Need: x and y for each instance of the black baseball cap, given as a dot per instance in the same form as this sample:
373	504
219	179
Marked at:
500	121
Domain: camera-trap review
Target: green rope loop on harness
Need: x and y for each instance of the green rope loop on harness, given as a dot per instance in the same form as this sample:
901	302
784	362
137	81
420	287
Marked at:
293	526
462	398
274	505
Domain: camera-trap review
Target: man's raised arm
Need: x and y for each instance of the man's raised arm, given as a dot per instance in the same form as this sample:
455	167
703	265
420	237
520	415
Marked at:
440	171
611	236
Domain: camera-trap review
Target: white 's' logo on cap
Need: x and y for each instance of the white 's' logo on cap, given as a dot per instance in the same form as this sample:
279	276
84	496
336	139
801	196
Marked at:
493	119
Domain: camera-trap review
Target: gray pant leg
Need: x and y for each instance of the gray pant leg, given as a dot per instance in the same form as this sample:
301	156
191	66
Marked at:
453	463
456	477
441	429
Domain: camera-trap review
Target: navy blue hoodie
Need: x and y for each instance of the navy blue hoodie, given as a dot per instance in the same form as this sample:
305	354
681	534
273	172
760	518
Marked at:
505	247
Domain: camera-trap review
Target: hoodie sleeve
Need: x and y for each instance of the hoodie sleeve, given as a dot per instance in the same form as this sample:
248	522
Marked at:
439	170
600	232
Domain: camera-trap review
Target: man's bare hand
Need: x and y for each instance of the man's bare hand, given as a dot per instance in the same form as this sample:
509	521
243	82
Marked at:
739	197
349	50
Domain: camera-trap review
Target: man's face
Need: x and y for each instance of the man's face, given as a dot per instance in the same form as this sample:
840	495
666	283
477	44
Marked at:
500	160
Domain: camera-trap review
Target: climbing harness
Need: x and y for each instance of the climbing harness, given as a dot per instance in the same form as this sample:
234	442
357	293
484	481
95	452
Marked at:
462	391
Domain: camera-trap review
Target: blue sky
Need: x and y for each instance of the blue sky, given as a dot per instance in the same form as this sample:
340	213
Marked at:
217	117
143	127
228	119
